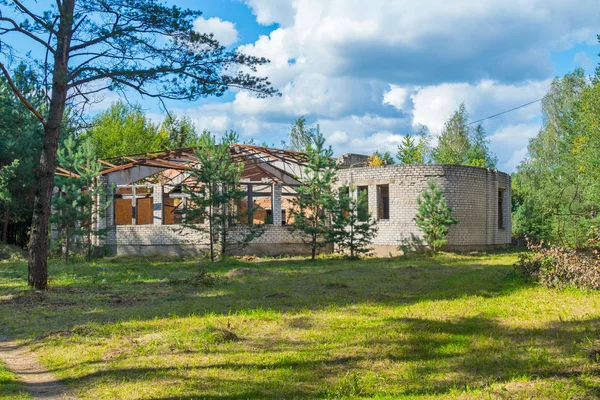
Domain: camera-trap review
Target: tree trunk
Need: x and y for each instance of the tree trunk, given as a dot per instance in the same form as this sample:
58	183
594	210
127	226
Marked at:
314	248
89	235
223	224
211	234
351	242
5	224
67	245
44	177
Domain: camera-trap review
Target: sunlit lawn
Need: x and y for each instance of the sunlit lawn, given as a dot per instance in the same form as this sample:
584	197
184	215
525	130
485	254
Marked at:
420	327
10	389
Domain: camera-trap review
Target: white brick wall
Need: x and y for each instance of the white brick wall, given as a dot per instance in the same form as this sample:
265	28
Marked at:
471	191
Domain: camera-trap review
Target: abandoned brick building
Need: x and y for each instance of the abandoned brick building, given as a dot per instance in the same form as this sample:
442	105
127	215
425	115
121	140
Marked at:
145	214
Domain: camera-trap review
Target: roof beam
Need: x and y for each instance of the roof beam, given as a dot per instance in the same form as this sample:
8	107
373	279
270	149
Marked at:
132	174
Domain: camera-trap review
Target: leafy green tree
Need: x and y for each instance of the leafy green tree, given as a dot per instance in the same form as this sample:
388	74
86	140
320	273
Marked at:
351	234
461	145
386	157
434	216
310	211
141	46
375	160
301	135
555	189
79	200
212	187
123	130
479	153
411	150
177	132
454	142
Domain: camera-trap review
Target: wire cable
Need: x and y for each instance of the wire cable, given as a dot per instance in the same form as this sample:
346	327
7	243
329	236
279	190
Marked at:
504	112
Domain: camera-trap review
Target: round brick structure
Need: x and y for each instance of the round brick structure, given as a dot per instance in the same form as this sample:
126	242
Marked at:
480	199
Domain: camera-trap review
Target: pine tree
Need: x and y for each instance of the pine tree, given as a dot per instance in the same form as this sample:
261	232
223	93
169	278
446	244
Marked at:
7	173
352	234
411	151
79	201
454	139
20	140
145	46
434	216
212	187
314	201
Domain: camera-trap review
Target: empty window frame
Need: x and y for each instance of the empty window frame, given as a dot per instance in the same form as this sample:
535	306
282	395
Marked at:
179	208
123	206
262	204
500	209
344	192
173	209
289	197
363	203
383	201
256	205
134	205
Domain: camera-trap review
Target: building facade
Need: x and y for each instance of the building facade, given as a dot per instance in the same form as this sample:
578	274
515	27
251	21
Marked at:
480	199
145	211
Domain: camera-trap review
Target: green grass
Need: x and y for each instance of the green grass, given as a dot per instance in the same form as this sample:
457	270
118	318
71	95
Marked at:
10	388
452	326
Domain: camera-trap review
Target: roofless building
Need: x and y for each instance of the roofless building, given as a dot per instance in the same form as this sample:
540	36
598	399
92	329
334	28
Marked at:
147	204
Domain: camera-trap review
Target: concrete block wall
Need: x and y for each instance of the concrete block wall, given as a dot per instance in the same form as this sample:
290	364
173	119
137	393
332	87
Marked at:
472	192
159	239
352	160
181	240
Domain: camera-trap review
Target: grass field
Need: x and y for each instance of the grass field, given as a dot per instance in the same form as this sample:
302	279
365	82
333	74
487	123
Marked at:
419	327
10	389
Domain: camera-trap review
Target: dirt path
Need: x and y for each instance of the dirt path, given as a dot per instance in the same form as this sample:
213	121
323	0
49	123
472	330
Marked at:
36	379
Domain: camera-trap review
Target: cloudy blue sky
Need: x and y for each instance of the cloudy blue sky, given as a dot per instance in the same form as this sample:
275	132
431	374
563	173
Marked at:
370	71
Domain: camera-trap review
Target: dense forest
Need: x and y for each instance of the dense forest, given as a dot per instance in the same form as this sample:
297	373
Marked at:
121	129
556	190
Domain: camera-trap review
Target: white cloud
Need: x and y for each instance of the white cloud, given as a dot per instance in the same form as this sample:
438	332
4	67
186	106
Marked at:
515	159
515	136
396	96
269	12
433	105
432	41
224	31
581	59
337	137
369	75
511	141
382	141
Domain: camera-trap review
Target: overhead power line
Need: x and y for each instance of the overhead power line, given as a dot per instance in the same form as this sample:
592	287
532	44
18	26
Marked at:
504	112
